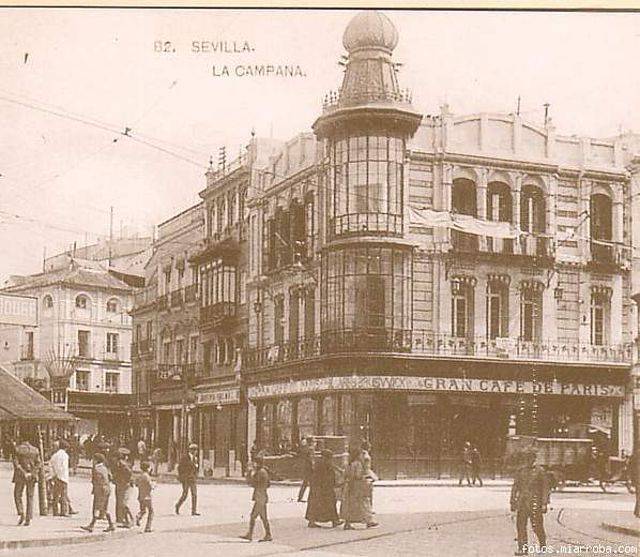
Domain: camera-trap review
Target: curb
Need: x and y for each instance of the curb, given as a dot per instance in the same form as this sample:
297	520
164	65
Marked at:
69	540
621	529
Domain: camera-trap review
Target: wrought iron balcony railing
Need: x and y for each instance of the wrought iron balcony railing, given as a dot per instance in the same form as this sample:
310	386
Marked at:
216	314
177	298
437	345
191	293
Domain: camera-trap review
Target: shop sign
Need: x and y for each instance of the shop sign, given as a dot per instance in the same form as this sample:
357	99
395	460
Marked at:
446	384
226	396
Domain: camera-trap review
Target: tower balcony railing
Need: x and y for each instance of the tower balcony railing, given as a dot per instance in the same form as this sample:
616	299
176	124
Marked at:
334	100
424	343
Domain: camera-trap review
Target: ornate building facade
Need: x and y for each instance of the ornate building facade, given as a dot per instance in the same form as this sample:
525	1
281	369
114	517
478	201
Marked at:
422	281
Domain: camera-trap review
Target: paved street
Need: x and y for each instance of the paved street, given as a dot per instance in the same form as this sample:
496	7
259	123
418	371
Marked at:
414	521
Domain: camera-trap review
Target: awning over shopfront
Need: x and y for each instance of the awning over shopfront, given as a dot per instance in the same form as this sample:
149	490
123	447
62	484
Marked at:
19	402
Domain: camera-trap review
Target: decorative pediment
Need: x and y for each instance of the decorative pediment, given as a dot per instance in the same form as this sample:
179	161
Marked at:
532	285
498	280
461	283
601	292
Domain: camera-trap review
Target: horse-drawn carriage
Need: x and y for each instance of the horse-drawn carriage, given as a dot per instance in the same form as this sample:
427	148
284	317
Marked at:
568	460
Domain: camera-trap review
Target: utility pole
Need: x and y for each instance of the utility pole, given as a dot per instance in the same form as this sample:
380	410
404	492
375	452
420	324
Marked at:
546	113
518	109
110	232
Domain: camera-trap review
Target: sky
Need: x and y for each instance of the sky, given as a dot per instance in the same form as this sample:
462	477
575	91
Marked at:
74	79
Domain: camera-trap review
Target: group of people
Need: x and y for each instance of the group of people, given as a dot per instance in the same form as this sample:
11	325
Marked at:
470	465
327	484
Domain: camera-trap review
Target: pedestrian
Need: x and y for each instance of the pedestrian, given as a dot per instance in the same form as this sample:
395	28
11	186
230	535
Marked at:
475	466
101	491
322	493
255	450
634	477
156	458
187	476
529	499
465	464
122	476
59	463
356	496
26	466
142	450
305	456
145	487
258	478
74	454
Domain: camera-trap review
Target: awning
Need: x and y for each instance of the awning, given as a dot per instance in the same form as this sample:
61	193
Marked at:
20	402
422	216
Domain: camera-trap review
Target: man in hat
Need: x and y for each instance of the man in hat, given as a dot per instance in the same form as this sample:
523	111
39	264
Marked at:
122	475
26	465
305	455
187	476
529	500
466	464
60	473
258	478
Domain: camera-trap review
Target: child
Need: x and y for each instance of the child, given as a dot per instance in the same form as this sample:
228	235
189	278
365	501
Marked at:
145	486
101	492
258	478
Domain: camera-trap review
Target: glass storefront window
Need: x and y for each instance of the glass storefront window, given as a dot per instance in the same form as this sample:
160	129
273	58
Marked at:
366	298
365	186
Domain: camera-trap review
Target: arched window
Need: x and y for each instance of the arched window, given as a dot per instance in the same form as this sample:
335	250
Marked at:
601	227
499	204
463	202
112	306
463	197
82	302
47	302
532	210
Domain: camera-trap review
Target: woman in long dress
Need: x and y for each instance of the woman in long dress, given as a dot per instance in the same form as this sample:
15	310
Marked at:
321	506
356	497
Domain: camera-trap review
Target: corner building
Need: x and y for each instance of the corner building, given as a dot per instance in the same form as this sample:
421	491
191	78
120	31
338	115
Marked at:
426	280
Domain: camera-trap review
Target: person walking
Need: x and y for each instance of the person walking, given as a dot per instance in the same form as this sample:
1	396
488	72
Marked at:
26	466
187	476
122	475
101	491
258	478
59	463
321	506
466	464
156	457
529	500
305	455
142	450
356	497
475	466
145	487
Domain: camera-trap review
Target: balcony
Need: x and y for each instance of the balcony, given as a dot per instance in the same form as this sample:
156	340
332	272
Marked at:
334	100
112	355
191	293
26	352
608	257
142	347
144	297
437	345
218	314
177	298
163	302
536	247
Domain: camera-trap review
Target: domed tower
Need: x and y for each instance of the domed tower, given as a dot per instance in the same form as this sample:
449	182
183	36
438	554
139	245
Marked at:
366	264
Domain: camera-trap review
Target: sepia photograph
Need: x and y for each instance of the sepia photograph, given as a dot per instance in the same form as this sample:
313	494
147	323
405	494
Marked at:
319	281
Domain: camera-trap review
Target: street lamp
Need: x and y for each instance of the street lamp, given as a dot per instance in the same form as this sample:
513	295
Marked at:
182	376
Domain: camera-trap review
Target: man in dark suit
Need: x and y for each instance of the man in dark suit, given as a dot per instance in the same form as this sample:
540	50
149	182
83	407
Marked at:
26	465
529	500
258	478
187	476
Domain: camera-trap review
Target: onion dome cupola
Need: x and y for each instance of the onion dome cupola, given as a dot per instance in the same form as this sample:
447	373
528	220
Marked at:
369	97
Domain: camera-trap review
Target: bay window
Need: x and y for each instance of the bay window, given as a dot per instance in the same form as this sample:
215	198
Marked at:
365	186
366	295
